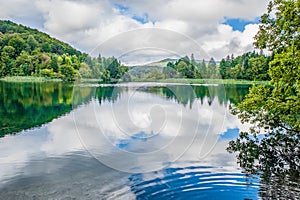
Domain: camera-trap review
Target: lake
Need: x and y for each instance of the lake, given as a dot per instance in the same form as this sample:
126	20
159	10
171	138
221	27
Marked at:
123	141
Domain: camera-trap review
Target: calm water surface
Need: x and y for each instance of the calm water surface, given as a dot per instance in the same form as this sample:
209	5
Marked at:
128	141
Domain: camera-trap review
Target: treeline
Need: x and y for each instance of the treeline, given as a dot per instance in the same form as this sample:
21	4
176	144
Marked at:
249	66
29	52
107	69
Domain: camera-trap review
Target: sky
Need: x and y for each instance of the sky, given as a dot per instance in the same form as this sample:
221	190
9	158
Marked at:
140	31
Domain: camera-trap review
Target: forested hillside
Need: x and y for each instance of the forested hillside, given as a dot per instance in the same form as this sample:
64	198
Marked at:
29	52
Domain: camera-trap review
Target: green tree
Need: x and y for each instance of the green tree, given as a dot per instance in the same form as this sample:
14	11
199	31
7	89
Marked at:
7	61
171	65
182	68
155	74
32	43
115	69
258	68
18	43
68	72
169	72
23	65
274	110
54	64
85	71
9	51
282	31
75	62
203	69
212	68
193	61
46	47
223	68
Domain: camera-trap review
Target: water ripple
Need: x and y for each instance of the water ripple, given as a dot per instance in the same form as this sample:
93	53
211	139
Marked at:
194	182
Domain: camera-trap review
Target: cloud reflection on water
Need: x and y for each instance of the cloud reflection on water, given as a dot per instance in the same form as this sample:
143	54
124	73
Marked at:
145	145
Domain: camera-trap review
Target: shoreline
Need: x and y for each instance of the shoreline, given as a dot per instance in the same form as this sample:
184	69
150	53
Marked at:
33	79
28	79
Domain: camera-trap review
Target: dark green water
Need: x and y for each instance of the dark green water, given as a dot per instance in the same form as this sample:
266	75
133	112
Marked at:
126	141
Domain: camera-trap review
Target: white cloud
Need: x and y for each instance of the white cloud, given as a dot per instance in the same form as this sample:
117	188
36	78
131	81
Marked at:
68	16
226	41
16	8
85	24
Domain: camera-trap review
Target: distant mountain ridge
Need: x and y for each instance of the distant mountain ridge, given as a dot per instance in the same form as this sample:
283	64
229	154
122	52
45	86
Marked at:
164	62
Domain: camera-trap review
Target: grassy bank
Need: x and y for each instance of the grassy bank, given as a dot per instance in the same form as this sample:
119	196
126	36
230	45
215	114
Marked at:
175	80
26	79
205	81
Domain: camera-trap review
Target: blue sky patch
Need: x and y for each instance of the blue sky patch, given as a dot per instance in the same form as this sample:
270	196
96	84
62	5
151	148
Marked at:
142	19
238	24
141	136
230	134
234	133
123	9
